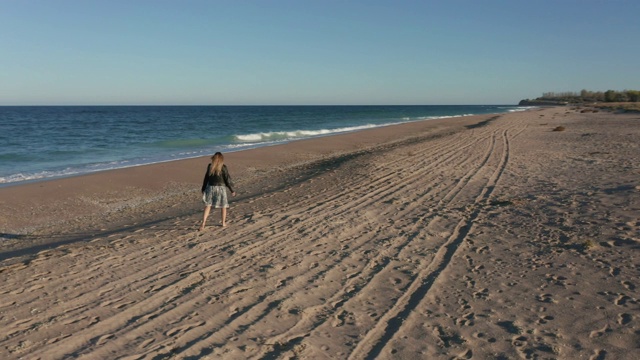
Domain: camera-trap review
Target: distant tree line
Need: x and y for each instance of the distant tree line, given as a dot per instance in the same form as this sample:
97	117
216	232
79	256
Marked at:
586	96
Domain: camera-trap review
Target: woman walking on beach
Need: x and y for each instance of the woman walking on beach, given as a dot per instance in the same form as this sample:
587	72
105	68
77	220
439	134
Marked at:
214	192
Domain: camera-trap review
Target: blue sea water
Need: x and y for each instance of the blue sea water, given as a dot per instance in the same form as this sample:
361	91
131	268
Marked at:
42	142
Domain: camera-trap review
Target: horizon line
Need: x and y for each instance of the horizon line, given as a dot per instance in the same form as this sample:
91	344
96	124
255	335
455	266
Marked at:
230	105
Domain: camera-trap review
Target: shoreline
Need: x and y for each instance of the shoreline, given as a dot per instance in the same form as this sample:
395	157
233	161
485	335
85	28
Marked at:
488	238
237	140
24	202
256	147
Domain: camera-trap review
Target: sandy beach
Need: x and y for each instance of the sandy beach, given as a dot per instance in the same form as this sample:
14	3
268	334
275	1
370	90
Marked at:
482	237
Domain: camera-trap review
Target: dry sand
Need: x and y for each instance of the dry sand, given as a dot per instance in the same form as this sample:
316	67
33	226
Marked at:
488	237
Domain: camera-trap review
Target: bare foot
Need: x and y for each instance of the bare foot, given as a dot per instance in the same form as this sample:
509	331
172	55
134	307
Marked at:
201	228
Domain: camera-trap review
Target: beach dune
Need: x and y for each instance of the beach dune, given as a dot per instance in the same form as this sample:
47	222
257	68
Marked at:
482	237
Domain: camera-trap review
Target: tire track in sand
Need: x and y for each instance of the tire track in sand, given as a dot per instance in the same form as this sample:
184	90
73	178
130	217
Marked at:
334	304
378	338
243	310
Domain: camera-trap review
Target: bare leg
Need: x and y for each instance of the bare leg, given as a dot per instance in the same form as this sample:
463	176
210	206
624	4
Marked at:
224	217
204	218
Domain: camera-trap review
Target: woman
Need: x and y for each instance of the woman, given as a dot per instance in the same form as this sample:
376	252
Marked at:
214	192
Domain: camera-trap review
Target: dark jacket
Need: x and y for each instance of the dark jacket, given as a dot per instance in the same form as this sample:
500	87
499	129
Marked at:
224	179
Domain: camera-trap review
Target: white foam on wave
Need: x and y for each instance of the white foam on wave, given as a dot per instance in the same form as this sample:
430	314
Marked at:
251	137
297	134
20	177
522	108
263	138
71	171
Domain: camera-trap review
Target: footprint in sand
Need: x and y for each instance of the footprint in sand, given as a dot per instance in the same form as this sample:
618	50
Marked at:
447	338
482	250
599	355
556	280
469	260
465	320
464	305
234	311
624	319
465	355
282	282
519	341
339	318
622	300
545	319
104	338
546	298
628	285
600	332
94	320
469	282
482	294
510	327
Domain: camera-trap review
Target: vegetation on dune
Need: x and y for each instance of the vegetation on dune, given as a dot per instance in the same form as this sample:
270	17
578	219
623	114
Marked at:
626	100
586	96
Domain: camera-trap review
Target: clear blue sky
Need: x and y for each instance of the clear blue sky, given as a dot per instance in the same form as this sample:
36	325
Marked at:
79	52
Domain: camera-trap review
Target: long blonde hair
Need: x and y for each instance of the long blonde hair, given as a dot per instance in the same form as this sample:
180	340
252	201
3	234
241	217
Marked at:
217	160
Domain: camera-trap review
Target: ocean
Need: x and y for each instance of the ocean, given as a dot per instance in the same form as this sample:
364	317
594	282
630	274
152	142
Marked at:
45	142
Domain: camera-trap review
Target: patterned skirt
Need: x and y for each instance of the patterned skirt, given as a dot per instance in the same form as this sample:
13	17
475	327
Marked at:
216	196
